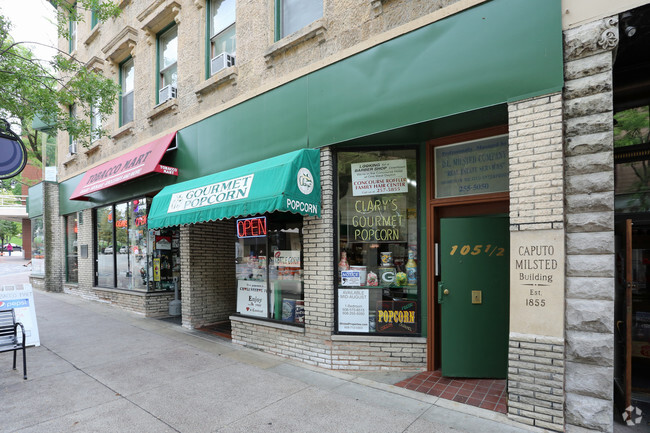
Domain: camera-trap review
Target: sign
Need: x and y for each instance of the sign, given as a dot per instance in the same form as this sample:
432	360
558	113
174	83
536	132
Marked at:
472	167
163	242
21	299
138	162
353	309
13	155
286	258
397	317
380	219
537	282
156	269
252	298
379	177
350	278
251	227
208	195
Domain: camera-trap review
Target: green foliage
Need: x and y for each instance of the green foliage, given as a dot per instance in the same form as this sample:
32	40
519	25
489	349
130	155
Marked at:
32	87
632	127
8	229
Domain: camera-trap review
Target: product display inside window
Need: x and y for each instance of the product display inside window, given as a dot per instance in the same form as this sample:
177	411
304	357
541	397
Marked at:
72	251
378	269
268	257
38	246
129	256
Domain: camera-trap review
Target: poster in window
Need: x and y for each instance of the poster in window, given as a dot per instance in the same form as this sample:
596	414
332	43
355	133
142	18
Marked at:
353	310
397	317
252	298
379	177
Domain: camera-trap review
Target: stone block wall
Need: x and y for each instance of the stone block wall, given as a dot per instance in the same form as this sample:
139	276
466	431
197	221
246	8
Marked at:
208	284
536	362
589	147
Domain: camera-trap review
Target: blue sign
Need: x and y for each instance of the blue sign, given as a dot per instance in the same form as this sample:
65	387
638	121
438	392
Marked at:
13	155
13	304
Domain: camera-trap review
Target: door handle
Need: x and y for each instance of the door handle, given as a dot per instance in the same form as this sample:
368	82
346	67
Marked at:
441	291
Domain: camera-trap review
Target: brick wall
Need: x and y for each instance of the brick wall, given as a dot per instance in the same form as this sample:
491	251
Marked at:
536	363
54	229
152	304
208	285
588	105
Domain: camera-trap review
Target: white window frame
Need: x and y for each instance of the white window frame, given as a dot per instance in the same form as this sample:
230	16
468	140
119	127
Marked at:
171	66
124	93
217	33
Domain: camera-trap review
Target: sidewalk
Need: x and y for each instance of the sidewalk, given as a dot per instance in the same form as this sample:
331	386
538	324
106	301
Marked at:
103	369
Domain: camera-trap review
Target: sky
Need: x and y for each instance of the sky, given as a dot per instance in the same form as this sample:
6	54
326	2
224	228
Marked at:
32	20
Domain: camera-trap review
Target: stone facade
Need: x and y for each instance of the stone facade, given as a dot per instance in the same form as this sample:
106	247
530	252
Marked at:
589	183
536	362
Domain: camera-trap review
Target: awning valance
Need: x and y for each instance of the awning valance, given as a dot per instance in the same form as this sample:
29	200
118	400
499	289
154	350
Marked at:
286	183
143	160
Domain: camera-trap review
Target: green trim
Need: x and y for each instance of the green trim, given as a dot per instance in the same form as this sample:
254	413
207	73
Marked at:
94	19
158	35
35	200
70	23
208	25
278	20
121	78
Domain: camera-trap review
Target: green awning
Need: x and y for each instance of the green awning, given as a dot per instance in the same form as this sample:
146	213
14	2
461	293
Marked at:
286	183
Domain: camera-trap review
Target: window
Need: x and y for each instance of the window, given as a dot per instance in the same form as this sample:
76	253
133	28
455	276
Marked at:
94	19
127	76
72	30
130	257
292	15
38	246
222	27
95	121
72	255
72	143
167	57
268	258
377	273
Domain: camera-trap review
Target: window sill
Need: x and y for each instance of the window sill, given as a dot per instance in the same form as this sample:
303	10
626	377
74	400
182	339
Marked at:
123	131
70	159
315	30
134	292
268	323
380	339
94	147
92	36
225	76
123	3
169	106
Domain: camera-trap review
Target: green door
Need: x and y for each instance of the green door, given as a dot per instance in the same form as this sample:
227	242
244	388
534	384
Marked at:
474	296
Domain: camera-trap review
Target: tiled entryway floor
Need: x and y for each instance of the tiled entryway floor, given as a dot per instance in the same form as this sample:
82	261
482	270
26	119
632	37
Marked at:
488	394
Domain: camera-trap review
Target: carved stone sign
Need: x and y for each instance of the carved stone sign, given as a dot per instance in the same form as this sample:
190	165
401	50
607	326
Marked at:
537	282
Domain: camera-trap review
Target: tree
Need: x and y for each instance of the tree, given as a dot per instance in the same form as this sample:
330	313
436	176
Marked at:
33	87
8	229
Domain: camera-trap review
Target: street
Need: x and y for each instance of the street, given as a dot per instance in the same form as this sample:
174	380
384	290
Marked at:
103	369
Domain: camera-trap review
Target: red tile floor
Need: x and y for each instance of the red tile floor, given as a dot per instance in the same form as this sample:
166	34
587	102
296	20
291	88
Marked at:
488	394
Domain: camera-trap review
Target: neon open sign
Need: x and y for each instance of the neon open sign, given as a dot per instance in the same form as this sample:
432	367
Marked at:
251	227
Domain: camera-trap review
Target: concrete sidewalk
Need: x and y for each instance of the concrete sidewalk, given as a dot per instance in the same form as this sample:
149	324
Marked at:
103	369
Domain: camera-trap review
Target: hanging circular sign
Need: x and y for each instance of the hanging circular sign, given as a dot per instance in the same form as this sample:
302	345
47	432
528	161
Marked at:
13	155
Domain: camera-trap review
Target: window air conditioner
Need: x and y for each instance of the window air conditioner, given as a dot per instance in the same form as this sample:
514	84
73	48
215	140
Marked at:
167	92
220	62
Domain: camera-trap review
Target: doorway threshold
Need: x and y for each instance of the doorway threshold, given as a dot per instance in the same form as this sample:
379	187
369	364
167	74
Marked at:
220	329
490	394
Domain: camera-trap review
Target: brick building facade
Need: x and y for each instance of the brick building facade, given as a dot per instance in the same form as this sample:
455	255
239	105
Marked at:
424	90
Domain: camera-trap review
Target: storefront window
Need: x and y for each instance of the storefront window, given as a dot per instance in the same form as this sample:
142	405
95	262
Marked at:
72	254
268	257
38	246
378	271
131	257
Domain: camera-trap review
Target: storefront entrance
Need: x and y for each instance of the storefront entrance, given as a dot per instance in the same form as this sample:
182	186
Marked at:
473	293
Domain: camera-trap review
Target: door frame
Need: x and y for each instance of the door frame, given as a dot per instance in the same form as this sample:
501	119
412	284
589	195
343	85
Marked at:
483	204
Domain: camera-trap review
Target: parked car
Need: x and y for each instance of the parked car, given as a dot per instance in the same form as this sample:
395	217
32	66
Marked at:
108	249
15	247
124	249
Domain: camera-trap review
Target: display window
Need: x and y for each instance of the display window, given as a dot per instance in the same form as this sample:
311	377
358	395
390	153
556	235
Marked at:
268	260
38	246
131	257
378	272
71	251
